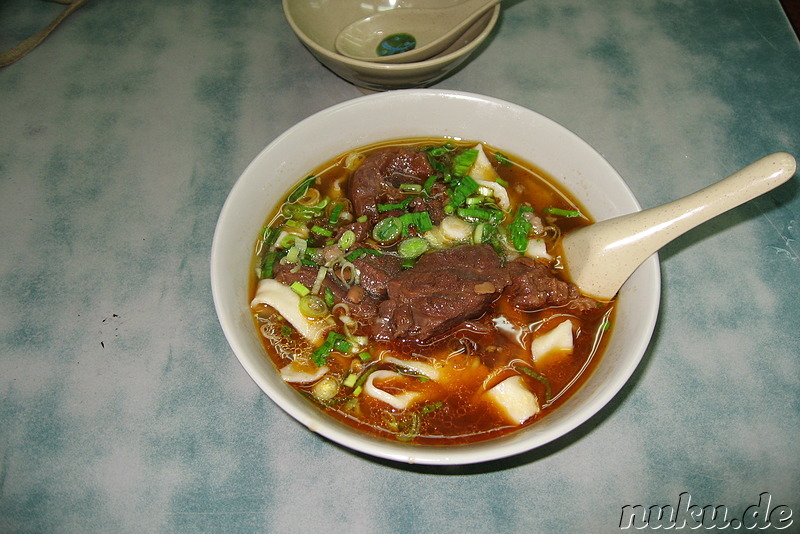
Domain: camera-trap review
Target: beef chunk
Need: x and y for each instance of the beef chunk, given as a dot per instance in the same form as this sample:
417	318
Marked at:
533	286
443	289
378	178
377	271
307	276
360	229
433	205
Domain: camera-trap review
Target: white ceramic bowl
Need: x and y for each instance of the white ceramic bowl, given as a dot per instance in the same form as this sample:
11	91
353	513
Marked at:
425	113
317	23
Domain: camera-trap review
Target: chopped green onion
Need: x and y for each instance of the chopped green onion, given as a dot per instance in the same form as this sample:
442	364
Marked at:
329	297
395	206
410	188
334	341
286	241
357	253
478	233
269	236
428	185
387	230
501	181
439	150
350	381
347	239
335	212
342	345
300	289
313	306
420	220
483	214
550	210
428	408
519	228
301	189
321	231
464	187
301	213
412	247
463	162
268	263
365	356
502	159
536	376
293	256
322	272
362	219
408	427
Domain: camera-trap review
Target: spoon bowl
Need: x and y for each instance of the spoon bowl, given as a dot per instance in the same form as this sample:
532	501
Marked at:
433	29
601	257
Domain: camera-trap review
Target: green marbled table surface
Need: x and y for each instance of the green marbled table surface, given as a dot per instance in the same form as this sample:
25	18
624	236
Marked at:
122	407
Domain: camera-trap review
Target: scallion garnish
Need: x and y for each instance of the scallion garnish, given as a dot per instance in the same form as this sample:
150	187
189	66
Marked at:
334	341
519	228
269	235
313	306
268	262
482	214
428	185
335	212
536	376
412	247
301	189
403	204
502	159
328	297
300	289
461	188
420	220
319	230
350	381
347	239
410	188
301	213
550	210
361	251
428	408
387	230
463	162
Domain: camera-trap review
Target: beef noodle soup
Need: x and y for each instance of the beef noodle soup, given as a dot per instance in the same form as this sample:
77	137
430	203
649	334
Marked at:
412	289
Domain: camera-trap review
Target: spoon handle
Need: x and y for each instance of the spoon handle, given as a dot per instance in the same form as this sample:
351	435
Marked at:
602	256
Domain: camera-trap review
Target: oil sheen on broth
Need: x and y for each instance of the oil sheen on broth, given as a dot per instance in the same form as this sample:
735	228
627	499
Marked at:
412	289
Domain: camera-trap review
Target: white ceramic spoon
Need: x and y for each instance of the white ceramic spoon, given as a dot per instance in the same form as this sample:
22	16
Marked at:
433	28
600	258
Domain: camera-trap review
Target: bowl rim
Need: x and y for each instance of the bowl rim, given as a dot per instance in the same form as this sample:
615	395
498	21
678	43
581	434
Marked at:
479	452
436	61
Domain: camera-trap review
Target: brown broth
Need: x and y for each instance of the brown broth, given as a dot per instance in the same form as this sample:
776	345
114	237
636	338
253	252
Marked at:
472	359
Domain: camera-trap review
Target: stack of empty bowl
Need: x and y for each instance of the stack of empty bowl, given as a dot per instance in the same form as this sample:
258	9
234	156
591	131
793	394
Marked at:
318	22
